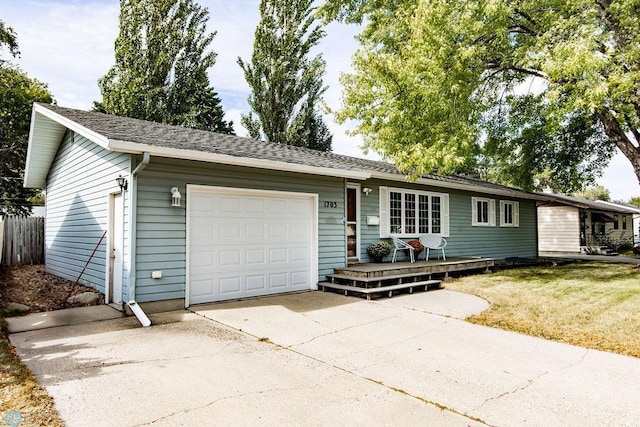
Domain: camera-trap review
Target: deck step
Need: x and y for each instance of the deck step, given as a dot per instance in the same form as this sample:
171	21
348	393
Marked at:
378	278
389	289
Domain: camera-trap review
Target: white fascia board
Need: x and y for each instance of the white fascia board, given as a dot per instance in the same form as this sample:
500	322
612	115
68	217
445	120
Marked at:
630	209
457	186
45	133
173	153
99	139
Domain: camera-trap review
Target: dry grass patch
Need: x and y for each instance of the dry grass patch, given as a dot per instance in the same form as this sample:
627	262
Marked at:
593	305
21	392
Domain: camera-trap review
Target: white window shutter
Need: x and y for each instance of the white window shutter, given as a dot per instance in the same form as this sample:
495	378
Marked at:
444	225
384	211
492	212
503	208
516	214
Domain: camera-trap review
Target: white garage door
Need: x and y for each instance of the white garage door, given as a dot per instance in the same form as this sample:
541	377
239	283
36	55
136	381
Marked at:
244	243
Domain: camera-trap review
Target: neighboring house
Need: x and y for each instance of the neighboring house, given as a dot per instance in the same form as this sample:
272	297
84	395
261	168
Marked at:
253	218
636	218
570	224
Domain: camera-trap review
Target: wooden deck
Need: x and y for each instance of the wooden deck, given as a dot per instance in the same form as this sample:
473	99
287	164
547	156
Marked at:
372	279
433	266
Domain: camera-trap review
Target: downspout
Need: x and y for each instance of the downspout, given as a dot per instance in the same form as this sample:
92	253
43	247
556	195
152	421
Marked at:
133	194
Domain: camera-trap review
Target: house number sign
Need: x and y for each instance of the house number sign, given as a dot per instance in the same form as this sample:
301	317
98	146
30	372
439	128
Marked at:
331	204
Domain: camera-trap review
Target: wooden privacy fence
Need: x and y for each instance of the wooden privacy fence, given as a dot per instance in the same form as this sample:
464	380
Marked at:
23	240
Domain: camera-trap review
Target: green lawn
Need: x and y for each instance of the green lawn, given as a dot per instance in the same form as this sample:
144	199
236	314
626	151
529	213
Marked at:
593	305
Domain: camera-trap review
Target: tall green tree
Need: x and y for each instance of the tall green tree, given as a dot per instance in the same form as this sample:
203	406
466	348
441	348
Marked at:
161	63
286	82
430	75
18	92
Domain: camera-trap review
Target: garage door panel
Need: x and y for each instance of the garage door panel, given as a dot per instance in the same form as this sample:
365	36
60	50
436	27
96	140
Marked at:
299	278
255	206
278	255
230	285
256	283
249	244
278	280
230	258
256	256
256	231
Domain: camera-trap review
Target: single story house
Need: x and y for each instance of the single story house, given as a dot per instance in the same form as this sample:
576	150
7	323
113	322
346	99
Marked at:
635	220
182	216
571	224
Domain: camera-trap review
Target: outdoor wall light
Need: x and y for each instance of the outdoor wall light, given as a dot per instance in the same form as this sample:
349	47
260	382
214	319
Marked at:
366	191
122	183
175	196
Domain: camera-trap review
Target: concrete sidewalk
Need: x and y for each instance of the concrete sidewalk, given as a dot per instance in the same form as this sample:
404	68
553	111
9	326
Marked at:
325	359
65	317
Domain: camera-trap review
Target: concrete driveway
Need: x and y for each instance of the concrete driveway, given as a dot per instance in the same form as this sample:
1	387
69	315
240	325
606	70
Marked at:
324	359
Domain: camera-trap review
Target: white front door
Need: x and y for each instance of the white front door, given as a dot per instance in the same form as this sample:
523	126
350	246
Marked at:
116	258
244	243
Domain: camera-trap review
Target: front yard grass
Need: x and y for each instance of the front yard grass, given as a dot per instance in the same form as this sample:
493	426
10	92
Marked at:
592	305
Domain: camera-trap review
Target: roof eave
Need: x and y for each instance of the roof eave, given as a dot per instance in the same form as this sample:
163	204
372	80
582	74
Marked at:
45	135
516	194
174	153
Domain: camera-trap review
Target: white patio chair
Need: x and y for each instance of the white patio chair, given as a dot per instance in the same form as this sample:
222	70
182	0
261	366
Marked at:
401	245
430	241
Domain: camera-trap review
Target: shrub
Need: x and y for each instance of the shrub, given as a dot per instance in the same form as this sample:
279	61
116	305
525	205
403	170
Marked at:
379	250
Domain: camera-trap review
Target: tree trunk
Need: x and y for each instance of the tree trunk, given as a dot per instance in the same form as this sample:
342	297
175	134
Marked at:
617	135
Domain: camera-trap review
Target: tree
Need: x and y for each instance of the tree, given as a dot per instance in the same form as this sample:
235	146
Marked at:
286	83
594	193
161	63
18	92
430	77
635	201
8	37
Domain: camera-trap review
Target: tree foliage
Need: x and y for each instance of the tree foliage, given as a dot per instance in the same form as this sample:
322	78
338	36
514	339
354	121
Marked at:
286	82
434	78
18	92
594	193
9	39
635	201
161	63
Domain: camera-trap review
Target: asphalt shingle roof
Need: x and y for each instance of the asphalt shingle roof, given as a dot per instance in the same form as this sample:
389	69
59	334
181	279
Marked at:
587	204
176	137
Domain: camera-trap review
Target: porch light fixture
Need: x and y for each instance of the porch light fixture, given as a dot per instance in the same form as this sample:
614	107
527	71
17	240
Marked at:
122	183
175	196
366	191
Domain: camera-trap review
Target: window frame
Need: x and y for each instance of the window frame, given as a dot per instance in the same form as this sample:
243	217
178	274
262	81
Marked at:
491	212
415	207
515	213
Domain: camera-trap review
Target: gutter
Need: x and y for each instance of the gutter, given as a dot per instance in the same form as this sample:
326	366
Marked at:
133	201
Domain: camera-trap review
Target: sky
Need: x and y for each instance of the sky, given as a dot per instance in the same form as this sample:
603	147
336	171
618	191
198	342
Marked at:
69	44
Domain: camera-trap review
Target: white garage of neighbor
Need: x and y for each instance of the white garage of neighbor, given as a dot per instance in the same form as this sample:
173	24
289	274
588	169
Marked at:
245	243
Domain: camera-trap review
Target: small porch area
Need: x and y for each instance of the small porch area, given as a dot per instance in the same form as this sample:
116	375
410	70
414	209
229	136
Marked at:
372	279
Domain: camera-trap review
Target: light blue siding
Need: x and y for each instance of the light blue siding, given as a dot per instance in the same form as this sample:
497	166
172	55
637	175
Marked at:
464	239
77	194
161	235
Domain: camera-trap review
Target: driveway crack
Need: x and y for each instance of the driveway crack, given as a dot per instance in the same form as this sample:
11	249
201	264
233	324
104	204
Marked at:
531	381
